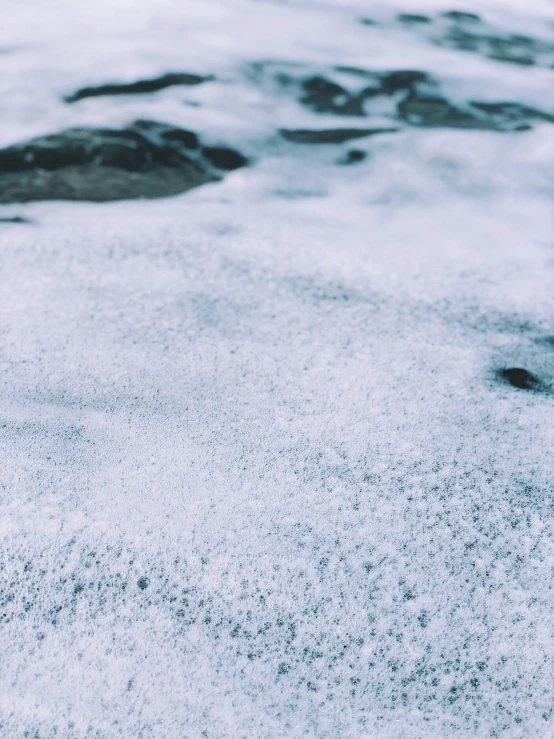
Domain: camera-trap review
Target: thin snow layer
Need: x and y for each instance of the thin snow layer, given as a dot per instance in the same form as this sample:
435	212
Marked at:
260	474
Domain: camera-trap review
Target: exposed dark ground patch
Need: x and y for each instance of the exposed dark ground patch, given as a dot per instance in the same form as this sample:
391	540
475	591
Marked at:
461	16
141	87
323	95
413	18
411	96
466	31
15	219
513	49
145	160
438	112
503	113
330	135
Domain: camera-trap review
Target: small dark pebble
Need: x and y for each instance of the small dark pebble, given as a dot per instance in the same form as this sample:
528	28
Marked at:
521	378
413	18
143	582
354	156
224	158
330	135
140	87
367	22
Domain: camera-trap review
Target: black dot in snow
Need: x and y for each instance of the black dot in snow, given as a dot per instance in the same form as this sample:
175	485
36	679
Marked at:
520	378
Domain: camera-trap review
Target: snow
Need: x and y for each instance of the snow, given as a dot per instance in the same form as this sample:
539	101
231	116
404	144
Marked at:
259	476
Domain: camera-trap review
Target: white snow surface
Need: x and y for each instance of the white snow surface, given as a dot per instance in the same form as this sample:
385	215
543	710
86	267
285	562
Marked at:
258	475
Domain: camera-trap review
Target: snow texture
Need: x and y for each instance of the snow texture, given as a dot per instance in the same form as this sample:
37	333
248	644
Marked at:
266	467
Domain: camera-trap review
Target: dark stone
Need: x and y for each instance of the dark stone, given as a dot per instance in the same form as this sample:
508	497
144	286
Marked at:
354	156
506	116
461	16
224	158
413	18
145	160
513	49
324	96
140	87
521	378
143	582
319	87
437	112
404	79
187	138
434	111
504	113
367	22
330	135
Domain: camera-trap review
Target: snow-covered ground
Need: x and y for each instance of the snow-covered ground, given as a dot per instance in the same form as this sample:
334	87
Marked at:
260	475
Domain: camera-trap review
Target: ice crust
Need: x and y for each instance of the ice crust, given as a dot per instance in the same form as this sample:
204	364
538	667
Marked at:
260	475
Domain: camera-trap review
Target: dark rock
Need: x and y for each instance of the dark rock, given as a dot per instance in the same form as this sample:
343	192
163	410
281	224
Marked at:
521	379
461	16
187	138
513	49
418	103
224	158
404	79
434	111
354	156
413	18
367	22
330	135
319	87
324	96
437	112
145	160
505	113
140	87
